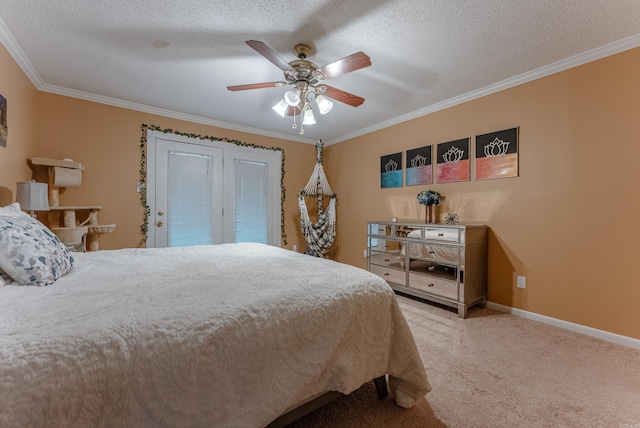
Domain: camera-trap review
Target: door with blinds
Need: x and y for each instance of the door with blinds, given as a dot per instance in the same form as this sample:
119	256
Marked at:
201	194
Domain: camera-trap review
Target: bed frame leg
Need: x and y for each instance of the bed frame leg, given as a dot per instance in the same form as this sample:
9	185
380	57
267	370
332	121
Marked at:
381	386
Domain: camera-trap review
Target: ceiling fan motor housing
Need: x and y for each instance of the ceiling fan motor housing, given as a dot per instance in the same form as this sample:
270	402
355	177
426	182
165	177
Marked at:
302	50
303	70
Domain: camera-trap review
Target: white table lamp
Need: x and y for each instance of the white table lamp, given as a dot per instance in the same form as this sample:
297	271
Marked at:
32	196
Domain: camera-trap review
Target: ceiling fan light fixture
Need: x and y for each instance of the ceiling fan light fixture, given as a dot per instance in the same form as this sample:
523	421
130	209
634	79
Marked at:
305	76
281	107
324	105
308	118
292	97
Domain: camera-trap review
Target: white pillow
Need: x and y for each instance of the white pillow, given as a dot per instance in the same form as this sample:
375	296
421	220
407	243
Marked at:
13	210
29	252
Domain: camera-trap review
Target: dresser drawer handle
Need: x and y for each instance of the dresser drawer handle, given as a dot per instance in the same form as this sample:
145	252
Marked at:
440	234
386	274
431	268
430	285
432	252
386	260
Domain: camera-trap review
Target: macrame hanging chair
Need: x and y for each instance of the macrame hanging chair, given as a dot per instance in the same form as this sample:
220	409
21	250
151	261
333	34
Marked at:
319	235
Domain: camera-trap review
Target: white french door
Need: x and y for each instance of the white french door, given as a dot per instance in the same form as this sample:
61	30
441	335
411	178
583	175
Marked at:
187	195
201	193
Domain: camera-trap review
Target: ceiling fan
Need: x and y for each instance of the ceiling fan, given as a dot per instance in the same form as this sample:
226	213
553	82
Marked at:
305	76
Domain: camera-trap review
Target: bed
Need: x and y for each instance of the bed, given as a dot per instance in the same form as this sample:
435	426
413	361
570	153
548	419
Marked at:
232	335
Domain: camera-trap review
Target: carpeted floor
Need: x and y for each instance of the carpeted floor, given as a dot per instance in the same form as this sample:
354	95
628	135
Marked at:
499	370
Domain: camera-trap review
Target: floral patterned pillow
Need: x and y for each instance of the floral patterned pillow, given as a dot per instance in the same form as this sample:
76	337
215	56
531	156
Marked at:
29	252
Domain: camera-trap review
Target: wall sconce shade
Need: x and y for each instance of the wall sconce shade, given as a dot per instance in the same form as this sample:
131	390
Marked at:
32	196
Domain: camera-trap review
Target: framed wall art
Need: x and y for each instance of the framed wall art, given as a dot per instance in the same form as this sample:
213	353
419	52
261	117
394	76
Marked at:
3	121
497	154
391	171
453	161
419	167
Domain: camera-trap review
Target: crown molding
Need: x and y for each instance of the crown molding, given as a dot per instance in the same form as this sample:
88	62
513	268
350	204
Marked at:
556	67
6	38
58	90
613	48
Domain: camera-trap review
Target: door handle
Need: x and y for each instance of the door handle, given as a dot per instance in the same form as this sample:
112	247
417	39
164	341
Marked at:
159	224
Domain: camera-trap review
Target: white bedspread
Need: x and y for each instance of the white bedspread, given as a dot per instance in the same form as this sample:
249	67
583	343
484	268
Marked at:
229	335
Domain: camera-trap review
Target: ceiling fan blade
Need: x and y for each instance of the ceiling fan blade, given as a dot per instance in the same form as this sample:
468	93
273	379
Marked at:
343	96
347	64
269	54
256	86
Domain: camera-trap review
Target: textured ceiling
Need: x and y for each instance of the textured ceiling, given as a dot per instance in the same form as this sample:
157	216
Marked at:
176	58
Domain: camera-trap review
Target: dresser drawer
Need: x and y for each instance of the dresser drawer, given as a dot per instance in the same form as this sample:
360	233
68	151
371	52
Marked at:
438	252
384	259
444	234
390	274
432	269
433	285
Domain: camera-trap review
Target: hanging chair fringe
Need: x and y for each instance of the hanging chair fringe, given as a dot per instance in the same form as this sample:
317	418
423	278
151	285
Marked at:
318	179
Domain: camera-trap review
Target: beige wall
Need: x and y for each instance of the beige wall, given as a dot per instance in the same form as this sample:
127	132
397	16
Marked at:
22	128
569	222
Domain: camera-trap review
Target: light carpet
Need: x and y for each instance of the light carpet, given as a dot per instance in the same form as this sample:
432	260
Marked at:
499	370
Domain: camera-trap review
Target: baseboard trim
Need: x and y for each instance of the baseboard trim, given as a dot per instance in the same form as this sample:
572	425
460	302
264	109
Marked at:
589	331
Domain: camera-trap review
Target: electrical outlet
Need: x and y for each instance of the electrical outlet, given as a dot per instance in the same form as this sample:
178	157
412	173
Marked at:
365	253
522	282
295	247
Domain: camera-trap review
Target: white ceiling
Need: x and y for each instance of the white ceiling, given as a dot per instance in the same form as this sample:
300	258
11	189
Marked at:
176	58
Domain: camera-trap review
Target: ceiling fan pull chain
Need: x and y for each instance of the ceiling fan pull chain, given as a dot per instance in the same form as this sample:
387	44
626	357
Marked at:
301	122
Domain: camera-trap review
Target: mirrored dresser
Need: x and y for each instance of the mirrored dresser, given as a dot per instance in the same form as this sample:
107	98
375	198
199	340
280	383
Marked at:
442	263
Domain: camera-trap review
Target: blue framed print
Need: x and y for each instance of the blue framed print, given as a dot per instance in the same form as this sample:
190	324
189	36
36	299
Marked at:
391	171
